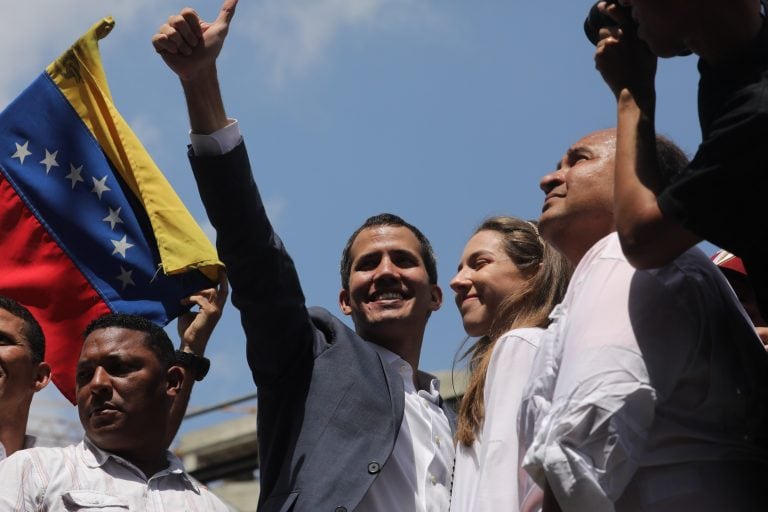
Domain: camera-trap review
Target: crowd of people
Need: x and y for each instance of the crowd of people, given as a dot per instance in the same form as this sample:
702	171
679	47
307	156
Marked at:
613	366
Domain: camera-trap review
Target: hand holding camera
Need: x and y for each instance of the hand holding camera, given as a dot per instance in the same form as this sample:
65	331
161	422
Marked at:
597	19
624	61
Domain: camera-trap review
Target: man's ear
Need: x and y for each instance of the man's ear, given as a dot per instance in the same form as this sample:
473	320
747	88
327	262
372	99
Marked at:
437	297
344	302
42	376
175	379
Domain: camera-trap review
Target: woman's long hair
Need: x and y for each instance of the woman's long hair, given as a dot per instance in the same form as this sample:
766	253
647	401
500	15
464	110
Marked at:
547	273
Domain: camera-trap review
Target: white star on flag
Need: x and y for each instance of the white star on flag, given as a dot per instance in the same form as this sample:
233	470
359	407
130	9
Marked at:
22	151
113	217
74	174
121	246
126	277
100	186
50	160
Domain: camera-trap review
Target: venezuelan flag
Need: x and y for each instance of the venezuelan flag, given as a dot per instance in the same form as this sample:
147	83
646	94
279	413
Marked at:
88	224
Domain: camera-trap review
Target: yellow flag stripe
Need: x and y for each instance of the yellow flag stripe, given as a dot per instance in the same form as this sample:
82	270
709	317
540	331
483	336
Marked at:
80	76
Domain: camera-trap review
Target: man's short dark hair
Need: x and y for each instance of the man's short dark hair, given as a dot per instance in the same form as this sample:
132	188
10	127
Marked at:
672	160
31	330
388	219
155	337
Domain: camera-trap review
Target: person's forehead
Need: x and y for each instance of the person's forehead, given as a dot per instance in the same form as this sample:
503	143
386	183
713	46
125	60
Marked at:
597	144
379	238
484	240
113	339
602	140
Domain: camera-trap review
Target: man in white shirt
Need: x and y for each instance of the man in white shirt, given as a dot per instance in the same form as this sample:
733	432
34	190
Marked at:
650	389
346	420
22	373
128	382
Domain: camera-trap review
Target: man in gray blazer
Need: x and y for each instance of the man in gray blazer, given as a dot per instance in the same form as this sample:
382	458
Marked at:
346	421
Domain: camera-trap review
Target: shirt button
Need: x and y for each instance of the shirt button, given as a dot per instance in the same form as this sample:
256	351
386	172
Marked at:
433	479
340	509
374	467
437	440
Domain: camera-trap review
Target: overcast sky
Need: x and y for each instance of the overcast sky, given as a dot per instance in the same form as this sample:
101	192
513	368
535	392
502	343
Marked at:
443	112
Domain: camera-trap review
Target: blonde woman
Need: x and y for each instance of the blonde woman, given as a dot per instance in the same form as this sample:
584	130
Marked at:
508	282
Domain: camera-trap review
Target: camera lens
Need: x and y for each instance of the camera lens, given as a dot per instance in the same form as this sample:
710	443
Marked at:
597	20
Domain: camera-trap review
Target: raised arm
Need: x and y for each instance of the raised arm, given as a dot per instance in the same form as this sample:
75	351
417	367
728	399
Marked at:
265	285
648	238
195	329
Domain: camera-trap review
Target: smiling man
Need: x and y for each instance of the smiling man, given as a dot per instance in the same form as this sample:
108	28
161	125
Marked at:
346	420
22	373
128	382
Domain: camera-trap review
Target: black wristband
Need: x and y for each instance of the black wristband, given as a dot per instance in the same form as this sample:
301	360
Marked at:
198	364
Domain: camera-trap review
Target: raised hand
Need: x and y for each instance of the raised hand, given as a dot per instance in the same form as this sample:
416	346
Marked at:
624	61
190	45
195	327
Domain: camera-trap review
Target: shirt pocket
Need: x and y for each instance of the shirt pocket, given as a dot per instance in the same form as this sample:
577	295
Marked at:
90	500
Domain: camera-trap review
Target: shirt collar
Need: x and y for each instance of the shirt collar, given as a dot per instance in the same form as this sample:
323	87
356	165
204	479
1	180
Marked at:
426	381
95	457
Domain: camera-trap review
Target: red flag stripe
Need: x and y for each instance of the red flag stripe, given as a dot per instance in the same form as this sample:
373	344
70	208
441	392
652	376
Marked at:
52	277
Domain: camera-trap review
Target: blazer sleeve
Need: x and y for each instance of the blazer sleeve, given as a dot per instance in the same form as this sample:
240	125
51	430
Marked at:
265	285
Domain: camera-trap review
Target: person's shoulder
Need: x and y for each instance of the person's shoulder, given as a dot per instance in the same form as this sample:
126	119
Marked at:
212	502
691	279
692	264
40	459
209	500
44	451
529	335
330	325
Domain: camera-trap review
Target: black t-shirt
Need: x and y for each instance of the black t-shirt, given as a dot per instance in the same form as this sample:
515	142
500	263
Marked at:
722	195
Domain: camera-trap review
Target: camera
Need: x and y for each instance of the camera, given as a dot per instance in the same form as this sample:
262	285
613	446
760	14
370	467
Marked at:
597	20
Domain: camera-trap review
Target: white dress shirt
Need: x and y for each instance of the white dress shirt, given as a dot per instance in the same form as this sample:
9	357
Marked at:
487	475
648	385
417	476
220	142
83	477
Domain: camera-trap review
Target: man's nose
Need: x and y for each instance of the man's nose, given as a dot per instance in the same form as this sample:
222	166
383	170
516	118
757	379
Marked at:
551	180
386	269
100	382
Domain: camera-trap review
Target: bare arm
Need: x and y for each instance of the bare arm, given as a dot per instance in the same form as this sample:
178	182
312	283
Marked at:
648	238
195	329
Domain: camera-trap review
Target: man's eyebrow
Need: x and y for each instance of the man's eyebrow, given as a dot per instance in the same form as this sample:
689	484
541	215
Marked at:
109	358
579	149
83	364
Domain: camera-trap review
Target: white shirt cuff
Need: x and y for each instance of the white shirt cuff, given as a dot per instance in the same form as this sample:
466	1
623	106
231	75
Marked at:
220	142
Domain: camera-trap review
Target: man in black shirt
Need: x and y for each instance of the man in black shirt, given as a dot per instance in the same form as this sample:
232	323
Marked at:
718	196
